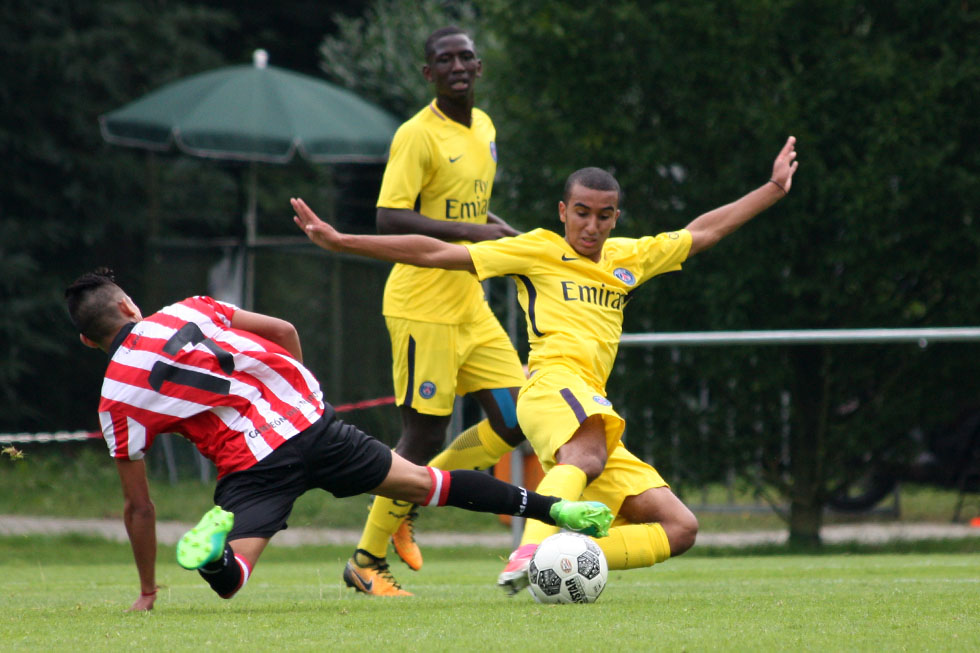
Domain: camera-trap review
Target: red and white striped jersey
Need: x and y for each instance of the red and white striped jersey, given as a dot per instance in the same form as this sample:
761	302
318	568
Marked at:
184	370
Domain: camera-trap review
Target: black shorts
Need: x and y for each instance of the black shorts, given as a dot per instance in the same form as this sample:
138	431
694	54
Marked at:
330	454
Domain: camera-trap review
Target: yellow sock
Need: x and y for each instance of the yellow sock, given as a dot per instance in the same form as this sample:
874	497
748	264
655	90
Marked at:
563	481
478	447
635	545
383	520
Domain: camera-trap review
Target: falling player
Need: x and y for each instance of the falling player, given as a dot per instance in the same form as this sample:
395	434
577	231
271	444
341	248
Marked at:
233	383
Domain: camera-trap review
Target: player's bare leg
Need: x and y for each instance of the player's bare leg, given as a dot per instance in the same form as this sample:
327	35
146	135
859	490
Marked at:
661	527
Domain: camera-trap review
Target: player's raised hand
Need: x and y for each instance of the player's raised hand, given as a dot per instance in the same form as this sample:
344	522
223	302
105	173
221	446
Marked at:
785	165
316	229
492	231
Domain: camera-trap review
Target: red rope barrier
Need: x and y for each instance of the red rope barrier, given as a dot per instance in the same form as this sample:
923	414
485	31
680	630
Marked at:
367	403
79	436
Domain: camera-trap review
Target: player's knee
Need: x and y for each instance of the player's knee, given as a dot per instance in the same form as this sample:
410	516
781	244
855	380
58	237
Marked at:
682	531
590	460
419	446
422	436
405	481
587	449
592	467
415	485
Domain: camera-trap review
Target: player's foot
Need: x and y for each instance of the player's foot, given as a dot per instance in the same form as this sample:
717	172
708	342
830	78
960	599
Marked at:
514	576
404	543
371	575
586	517
205	542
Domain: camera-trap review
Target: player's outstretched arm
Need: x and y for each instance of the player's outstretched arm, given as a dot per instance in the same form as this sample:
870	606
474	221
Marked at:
139	516
405	221
412	249
708	228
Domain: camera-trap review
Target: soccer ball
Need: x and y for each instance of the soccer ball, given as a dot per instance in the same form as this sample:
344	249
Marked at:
567	568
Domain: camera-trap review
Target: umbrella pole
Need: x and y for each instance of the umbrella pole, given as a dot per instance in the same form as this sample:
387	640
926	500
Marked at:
251	219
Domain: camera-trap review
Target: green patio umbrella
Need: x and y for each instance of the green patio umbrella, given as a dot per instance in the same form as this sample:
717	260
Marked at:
258	114
254	113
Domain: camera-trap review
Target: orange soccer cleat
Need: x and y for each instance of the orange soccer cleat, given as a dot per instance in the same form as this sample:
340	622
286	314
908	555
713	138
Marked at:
370	575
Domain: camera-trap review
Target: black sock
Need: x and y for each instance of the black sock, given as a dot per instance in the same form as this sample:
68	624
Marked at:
480	492
224	575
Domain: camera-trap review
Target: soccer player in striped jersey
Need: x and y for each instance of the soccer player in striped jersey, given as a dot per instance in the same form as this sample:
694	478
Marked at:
233	383
573	289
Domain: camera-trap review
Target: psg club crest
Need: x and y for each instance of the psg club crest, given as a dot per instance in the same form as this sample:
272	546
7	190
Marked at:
625	276
427	389
493	150
602	401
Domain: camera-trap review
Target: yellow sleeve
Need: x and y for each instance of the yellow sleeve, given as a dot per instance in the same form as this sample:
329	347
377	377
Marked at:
512	255
408	164
663	253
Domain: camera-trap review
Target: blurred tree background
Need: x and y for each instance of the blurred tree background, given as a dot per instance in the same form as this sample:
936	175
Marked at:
686	103
70	202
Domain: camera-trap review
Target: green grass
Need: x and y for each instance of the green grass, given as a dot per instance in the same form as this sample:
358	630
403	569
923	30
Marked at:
85	484
61	593
71	593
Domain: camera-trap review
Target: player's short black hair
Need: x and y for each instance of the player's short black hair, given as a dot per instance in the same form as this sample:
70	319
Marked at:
594	178
430	43
90	298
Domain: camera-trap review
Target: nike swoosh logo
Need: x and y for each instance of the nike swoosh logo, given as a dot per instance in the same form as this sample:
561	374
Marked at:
569	258
455	159
359	580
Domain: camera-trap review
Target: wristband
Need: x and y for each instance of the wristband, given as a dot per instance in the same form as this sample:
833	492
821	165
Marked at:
779	186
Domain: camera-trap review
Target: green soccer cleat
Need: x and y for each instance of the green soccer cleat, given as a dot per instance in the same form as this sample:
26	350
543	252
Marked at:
205	542
587	517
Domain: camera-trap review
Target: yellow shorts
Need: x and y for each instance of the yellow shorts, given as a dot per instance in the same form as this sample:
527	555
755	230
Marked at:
432	363
550	408
553	404
625	475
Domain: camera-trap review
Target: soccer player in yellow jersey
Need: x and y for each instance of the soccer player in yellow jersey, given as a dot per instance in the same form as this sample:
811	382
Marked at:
444	338
573	290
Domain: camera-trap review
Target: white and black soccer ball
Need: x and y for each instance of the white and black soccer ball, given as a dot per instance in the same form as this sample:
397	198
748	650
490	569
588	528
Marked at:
567	568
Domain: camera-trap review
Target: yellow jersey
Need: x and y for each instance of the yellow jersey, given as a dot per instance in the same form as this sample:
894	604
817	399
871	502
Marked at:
445	171
574	306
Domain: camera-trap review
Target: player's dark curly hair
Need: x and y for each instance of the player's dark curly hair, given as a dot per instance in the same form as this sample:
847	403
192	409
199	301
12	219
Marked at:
90	299
430	43
594	178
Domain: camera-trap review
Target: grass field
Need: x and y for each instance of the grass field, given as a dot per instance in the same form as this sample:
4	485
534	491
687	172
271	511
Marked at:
70	594
85	484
